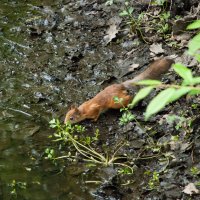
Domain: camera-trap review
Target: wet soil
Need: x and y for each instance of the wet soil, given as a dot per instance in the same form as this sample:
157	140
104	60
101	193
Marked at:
54	54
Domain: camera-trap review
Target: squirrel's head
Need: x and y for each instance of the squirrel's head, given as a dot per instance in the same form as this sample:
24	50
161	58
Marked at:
73	116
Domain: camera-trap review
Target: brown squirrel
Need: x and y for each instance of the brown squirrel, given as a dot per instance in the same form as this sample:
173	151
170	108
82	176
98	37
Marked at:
103	101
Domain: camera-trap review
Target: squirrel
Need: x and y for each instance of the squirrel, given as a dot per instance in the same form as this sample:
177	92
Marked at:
103	101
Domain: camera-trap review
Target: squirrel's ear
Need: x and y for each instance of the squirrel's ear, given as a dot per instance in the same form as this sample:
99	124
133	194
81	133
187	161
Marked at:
73	106
77	110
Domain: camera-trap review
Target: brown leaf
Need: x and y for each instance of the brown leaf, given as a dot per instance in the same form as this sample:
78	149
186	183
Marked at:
156	48
112	30
190	189
111	33
133	67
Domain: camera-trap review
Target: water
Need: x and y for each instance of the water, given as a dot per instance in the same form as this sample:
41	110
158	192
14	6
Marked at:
29	96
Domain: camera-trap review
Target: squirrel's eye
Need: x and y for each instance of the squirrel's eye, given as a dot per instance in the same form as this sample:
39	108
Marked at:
71	118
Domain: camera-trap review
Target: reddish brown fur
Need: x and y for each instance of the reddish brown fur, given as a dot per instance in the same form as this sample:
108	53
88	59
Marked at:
100	103
104	100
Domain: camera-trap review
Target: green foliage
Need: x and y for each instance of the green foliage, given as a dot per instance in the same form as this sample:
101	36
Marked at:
160	2
184	72
54	123
138	22
125	170
170	93
154	181
194	171
194	44
50	153
175	138
157	103
149	82
80	145
163	26
126	12
126	117
194	25
109	2
15	186
118	100
141	95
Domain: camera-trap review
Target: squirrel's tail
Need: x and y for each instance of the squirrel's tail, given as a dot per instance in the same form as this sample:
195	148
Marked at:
154	71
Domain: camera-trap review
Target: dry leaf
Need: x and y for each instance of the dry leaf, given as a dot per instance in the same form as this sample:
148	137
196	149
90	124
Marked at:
111	33
133	67
156	48
190	189
112	30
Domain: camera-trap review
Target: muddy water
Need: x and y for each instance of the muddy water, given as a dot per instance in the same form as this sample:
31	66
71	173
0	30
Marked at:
33	69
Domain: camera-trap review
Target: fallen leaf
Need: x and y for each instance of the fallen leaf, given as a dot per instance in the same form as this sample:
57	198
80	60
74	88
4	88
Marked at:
190	189
156	48
112	30
133	67
111	33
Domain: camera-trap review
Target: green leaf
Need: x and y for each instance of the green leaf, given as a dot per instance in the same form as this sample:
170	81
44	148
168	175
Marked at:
130	10
159	102
141	95
53	123
149	82
194	92
160	2
194	25
196	80
184	72
123	13
194	44
109	2
197	56
179	93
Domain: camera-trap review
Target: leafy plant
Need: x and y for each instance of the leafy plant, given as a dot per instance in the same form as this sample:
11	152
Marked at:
17	185
194	44
138	24
50	153
81	145
160	2
125	170
134	23
127	116
170	93
194	171
154	181
109	2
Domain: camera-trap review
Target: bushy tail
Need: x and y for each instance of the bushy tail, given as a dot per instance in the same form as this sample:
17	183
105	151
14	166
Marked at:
154	71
